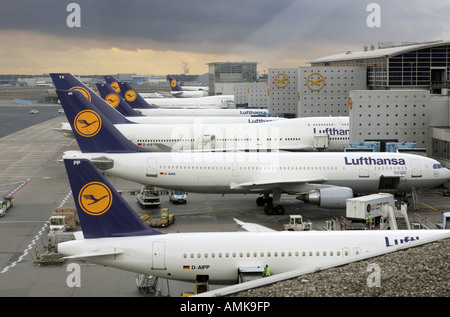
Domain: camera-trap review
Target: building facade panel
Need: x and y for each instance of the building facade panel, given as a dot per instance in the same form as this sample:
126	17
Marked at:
324	90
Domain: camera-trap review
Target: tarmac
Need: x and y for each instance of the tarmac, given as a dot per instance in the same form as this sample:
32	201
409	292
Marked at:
30	170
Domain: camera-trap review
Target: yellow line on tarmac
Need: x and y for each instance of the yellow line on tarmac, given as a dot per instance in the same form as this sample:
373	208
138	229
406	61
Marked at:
428	206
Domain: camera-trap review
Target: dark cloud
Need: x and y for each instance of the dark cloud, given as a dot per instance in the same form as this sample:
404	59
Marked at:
217	26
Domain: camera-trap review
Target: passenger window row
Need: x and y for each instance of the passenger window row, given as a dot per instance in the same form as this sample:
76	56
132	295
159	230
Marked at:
344	252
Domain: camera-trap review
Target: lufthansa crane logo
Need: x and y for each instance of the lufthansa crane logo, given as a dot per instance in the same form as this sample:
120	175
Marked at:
130	95
113	100
87	123
173	83
115	86
95	198
281	80
315	81
83	91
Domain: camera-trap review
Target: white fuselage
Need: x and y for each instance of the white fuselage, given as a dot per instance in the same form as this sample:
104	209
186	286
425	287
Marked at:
220	101
183	256
290	134
261	172
189	94
211	112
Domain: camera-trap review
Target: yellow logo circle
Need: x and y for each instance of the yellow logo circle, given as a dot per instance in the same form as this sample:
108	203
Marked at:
173	83
115	86
87	123
95	198
281	80
315	81
112	99
350	102
130	95
84	91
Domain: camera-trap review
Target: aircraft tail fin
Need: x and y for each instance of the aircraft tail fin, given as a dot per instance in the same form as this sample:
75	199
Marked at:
93	131
114	83
66	81
103	212
116	101
133	98
174	84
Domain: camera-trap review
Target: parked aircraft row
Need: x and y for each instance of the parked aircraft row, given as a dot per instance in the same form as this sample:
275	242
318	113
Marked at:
203	102
288	134
113	235
326	179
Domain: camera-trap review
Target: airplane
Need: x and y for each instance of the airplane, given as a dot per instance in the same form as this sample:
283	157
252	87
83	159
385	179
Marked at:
179	92
114	83
113	235
66	81
326	179
189	88
211	133
207	102
119	103
289	135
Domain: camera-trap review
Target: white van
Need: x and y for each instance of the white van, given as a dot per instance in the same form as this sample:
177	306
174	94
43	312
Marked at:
177	197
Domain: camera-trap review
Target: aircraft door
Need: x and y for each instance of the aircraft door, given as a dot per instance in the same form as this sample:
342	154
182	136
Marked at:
363	171
416	170
158	255
235	170
152	170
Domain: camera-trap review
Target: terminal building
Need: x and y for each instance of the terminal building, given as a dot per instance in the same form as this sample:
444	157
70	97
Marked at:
390	93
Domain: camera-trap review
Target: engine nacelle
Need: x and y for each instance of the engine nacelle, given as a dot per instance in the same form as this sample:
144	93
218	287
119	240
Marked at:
334	197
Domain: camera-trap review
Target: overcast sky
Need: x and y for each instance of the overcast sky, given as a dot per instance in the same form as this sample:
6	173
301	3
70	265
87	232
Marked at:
162	37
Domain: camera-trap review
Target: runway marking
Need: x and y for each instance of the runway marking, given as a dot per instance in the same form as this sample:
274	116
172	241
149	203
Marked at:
25	252
30	179
44	227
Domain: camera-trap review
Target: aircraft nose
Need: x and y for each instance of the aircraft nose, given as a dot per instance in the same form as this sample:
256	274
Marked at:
445	174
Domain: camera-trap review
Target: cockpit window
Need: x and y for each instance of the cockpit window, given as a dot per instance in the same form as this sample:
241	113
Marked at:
437	166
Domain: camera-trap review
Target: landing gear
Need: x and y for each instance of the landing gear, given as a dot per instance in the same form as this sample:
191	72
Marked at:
271	208
263	200
274	210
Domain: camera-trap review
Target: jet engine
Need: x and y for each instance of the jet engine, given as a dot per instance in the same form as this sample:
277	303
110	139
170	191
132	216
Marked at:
333	197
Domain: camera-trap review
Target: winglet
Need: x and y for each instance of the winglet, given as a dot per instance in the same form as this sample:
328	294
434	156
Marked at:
93	131
102	211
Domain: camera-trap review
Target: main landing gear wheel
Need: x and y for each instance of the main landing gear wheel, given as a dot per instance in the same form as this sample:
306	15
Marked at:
274	210
263	200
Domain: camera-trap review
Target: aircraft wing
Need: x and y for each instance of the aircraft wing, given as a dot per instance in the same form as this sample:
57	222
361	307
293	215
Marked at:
278	183
297	147
112	251
252	227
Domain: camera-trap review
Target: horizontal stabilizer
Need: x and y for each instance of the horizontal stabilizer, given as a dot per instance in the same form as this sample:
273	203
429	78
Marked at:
95	254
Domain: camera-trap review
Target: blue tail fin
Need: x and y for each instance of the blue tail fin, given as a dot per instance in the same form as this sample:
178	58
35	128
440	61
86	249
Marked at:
133	98
66	81
94	133
114	83
116	101
174	84
102	211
